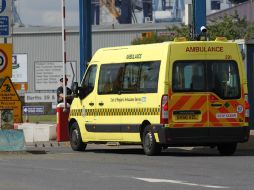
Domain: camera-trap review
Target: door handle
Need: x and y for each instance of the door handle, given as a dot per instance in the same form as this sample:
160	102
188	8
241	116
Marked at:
216	105
91	104
101	104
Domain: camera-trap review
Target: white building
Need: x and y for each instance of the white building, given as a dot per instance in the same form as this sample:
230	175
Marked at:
213	6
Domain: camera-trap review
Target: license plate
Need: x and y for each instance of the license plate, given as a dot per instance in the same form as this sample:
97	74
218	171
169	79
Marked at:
186	117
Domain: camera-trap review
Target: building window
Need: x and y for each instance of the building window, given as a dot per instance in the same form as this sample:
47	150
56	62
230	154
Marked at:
215	4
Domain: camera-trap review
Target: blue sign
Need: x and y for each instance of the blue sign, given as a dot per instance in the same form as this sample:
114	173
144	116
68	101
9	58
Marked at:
33	110
4	26
2	6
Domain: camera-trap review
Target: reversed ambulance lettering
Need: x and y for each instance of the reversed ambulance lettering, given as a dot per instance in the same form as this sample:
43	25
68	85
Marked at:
134	56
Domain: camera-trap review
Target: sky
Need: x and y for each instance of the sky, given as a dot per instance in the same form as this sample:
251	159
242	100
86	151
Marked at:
47	12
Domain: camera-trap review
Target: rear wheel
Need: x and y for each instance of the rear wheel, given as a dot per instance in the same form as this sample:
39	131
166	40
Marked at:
227	149
150	146
76	139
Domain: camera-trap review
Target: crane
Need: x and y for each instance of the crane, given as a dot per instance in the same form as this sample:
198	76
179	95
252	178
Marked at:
16	17
110	5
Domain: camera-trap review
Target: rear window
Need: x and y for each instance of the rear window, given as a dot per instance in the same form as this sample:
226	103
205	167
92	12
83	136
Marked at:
220	77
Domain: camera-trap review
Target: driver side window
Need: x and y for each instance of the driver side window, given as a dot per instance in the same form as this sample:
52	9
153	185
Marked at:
89	80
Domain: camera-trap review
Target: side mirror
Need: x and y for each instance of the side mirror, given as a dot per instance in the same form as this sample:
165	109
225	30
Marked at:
78	92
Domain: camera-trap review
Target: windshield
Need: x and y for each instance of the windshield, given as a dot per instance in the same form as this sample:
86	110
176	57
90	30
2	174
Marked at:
220	77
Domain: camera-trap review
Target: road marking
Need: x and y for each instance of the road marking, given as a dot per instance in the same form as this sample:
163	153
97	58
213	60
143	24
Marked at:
151	180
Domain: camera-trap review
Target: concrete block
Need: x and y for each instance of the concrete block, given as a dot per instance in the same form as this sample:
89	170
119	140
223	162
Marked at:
38	132
28	129
44	132
12	140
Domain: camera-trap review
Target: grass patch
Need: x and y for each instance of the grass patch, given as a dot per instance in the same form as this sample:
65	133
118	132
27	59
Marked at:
40	118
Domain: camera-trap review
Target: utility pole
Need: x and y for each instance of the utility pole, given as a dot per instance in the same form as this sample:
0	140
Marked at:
199	15
85	35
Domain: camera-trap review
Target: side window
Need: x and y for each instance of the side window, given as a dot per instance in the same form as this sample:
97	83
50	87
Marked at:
140	77
110	78
89	80
131	77
149	75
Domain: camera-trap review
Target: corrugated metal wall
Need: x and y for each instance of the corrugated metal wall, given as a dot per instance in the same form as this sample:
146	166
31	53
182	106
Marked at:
39	47
45	45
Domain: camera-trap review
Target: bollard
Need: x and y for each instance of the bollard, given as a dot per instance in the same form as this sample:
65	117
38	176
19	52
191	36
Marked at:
62	133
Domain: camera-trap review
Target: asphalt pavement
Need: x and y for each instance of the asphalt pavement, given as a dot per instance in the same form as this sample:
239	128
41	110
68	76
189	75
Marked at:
247	145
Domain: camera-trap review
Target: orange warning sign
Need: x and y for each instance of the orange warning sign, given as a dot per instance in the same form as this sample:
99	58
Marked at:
7	91
9	99
5	60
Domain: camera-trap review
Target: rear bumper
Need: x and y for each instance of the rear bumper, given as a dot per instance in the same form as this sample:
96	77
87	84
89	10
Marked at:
201	136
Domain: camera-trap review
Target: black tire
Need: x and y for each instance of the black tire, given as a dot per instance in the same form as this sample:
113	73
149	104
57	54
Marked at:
76	139
227	149
150	146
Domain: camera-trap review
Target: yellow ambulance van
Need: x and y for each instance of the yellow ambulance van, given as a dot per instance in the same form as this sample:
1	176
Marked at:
181	93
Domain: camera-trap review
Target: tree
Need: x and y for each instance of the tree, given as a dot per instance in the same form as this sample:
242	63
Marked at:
173	32
154	38
230	26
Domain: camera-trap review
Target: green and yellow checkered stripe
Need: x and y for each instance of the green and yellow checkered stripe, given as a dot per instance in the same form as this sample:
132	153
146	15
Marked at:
115	112
75	112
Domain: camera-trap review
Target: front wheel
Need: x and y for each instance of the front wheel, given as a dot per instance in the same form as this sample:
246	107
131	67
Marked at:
227	149
150	146
76	139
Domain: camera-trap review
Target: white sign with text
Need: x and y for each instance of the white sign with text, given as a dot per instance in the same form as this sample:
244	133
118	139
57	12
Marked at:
48	74
19	68
40	97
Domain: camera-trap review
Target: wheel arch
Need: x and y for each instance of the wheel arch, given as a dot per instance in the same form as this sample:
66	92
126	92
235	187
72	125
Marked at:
142	128
70	124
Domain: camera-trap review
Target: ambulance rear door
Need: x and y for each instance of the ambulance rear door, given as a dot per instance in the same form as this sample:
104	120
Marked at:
188	98
226	102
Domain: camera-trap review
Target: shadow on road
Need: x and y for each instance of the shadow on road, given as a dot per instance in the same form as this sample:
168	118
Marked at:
181	152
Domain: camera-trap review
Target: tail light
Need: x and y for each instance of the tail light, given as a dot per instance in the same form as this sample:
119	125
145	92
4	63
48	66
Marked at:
164	109
246	108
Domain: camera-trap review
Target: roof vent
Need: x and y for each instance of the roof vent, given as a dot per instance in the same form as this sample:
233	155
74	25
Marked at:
221	39
180	39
